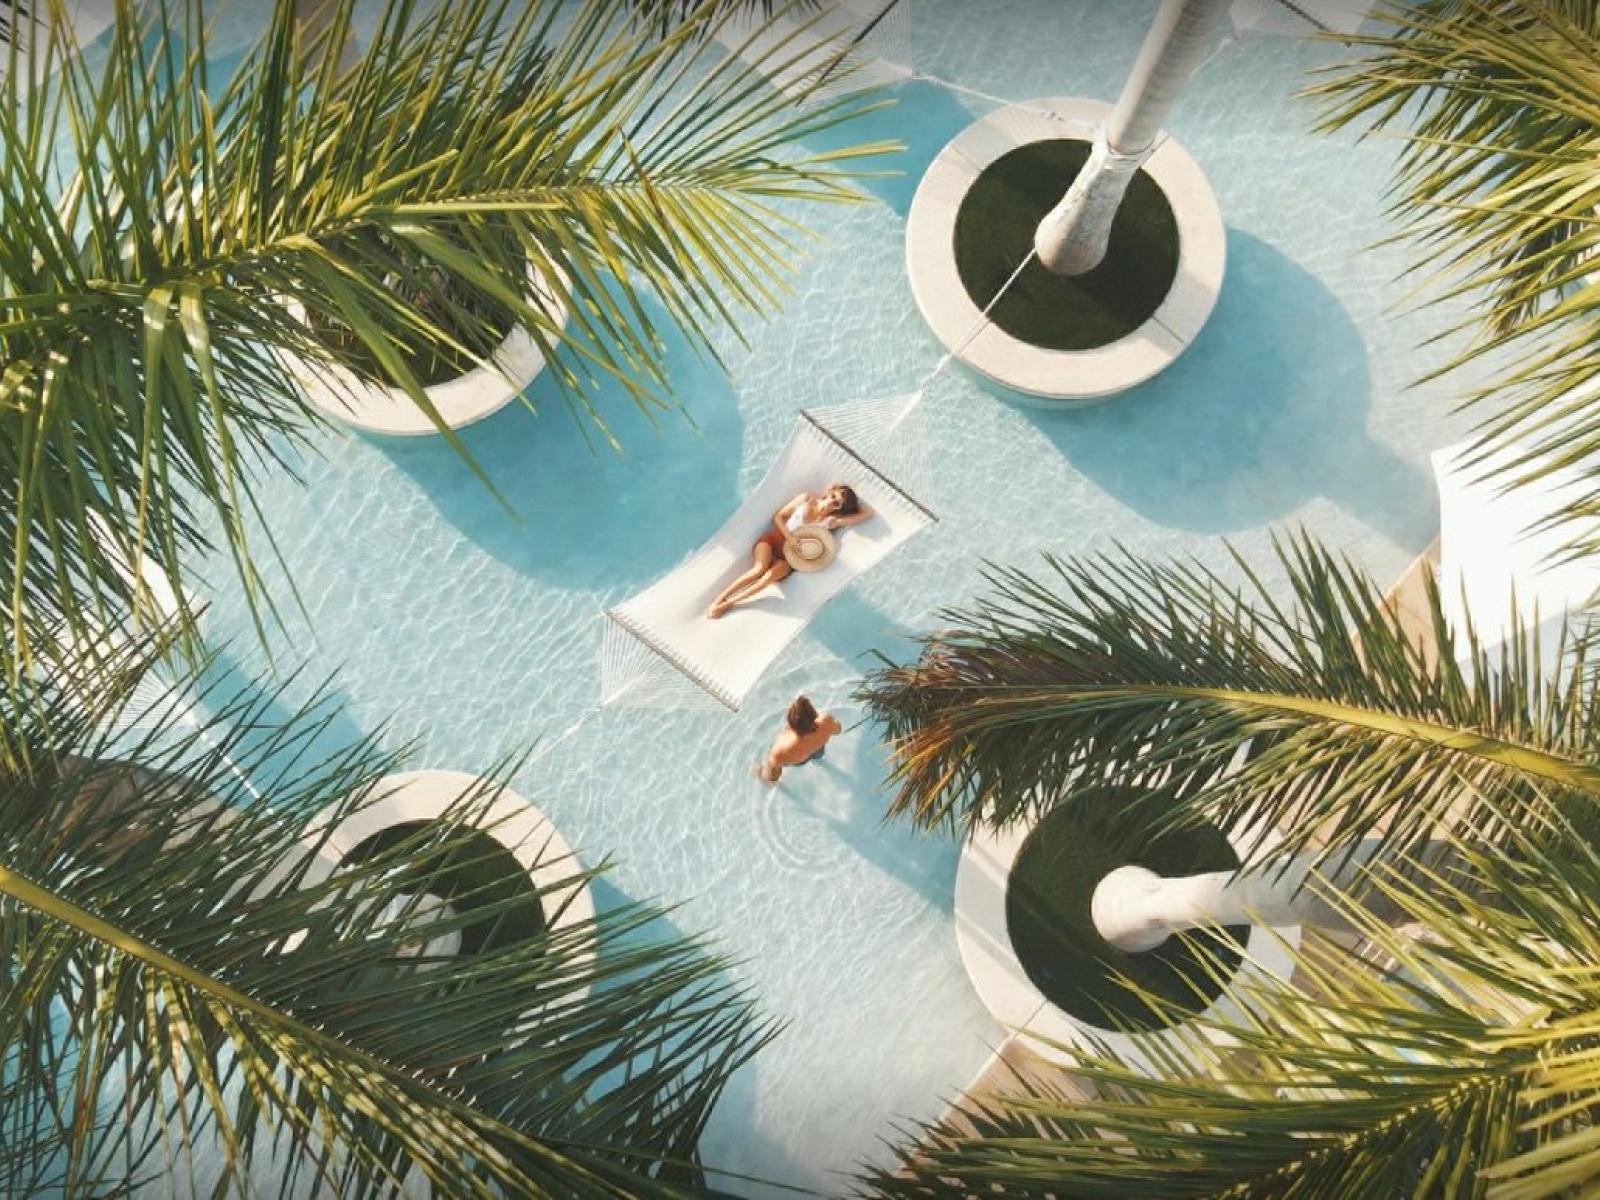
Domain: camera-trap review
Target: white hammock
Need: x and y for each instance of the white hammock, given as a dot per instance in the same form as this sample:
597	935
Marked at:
661	649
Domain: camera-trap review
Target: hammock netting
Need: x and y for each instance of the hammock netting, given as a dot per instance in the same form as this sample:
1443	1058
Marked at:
660	650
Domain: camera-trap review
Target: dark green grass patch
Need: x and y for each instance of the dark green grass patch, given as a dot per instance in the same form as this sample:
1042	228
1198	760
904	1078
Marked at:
1048	918
994	231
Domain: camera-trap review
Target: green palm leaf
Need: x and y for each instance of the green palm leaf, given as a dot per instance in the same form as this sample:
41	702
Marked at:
1498	106
1457	1054
668	14
1319	717
1459	1063
157	224
179	998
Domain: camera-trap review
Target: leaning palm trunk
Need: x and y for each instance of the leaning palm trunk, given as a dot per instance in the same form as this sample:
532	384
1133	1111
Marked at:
1458	1064
1072	238
1136	909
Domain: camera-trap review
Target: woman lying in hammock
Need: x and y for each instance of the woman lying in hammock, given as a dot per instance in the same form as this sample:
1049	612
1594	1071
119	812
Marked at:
836	508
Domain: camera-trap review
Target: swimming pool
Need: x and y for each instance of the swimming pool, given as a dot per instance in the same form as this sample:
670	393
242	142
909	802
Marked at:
455	625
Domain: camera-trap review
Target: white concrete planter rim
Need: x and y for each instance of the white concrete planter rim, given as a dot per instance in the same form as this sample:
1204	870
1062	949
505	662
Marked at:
461	401
1011	997
1056	376
526	833
509	819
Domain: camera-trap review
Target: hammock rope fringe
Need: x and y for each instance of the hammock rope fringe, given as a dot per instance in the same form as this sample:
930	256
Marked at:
660	650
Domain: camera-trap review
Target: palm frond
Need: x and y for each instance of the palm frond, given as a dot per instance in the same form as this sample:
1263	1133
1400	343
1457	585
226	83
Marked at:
183	994
1497	103
1461	1062
666	15
160	230
1320	718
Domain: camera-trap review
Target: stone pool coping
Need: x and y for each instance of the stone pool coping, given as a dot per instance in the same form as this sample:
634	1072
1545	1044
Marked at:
1060	375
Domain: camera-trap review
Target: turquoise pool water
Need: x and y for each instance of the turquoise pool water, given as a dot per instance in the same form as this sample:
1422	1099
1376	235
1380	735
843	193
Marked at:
451	624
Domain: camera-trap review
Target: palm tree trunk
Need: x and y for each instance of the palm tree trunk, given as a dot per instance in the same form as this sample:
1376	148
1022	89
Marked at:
1071	239
1136	910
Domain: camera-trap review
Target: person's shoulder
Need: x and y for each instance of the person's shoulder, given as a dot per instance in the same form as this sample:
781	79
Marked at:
830	723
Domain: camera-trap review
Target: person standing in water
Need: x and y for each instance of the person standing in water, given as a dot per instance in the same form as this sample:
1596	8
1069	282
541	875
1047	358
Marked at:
804	737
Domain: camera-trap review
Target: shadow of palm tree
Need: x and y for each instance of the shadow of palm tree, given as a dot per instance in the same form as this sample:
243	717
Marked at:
584	515
1265	411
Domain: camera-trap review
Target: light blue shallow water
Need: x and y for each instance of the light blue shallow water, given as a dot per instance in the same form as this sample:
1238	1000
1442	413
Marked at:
454	625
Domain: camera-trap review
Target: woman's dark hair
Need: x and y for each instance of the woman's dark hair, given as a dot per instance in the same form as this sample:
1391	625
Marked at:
849	502
802	715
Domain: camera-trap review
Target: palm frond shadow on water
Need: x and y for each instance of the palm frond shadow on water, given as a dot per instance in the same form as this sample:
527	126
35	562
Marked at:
581	513
459	124
1267	411
172	950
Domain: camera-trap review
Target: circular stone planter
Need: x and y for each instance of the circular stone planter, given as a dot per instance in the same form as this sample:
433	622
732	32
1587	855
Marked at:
1012	998
1060	376
1051	897
411	797
481	392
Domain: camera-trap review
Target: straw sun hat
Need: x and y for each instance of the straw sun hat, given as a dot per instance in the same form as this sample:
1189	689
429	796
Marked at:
809	548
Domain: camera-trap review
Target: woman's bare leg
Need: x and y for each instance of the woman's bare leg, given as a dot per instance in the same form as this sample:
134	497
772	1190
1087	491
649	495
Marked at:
758	584
739	584
762	556
776	573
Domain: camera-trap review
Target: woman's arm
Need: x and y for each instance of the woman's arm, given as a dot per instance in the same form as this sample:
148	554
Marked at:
854	518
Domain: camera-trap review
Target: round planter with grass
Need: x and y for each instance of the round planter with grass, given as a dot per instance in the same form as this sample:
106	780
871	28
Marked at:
462	392
1053	934
1030	946
515	855
1050	337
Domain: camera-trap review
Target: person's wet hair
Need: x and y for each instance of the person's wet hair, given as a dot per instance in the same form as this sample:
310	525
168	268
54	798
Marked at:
802	715
849	502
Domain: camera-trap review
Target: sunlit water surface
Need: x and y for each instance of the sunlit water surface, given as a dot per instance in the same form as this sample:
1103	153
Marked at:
452	624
